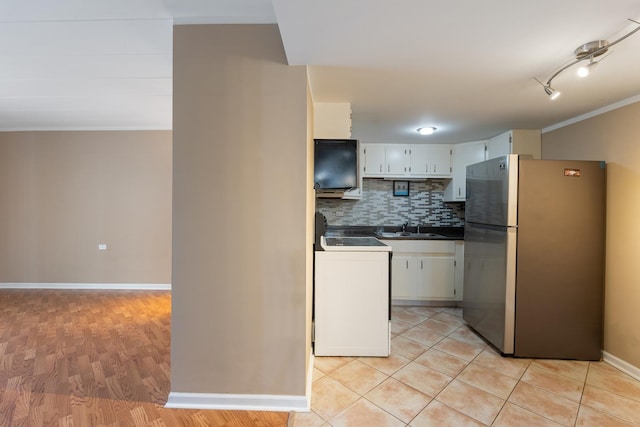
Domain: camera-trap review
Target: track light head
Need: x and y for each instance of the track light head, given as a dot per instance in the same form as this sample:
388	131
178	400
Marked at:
553	94
585	70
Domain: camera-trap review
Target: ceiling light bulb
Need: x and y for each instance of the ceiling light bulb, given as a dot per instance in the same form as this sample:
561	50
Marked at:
583	71
426	131
553	94
587	69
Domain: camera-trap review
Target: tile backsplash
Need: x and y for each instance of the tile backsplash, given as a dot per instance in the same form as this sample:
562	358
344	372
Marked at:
379	207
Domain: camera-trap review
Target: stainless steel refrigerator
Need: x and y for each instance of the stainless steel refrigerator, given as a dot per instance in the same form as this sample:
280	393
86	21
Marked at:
534	256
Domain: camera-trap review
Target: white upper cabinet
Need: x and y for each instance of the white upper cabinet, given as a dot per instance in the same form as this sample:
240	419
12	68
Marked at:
419	160
464	155
396	159
517	141
430	161
384	160
440	164
332	120
406	160
373	160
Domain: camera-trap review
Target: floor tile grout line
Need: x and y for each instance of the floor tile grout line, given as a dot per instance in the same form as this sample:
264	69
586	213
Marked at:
411	357
518	380
391	376
610	413
406	424
435	398
454	378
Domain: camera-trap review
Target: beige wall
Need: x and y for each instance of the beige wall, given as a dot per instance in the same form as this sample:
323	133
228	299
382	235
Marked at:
63	193
615	138
241	223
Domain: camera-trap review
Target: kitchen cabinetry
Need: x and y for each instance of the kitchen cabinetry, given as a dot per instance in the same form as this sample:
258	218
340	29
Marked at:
332	120
404	276
464	154
422	270
430	161
396	159
406	161
517	141
459	270
383	160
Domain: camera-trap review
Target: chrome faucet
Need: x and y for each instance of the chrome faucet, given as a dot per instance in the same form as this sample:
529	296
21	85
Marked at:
404	226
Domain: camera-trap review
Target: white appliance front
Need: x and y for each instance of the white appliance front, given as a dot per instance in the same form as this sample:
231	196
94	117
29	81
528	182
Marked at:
352	303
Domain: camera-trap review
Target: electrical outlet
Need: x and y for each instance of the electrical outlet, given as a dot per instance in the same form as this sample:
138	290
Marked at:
339	213
102	246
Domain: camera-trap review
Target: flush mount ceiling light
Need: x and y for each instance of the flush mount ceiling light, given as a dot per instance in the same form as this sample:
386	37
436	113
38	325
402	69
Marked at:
427	130
588	51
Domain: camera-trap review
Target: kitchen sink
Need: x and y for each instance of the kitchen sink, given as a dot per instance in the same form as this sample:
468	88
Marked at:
408	235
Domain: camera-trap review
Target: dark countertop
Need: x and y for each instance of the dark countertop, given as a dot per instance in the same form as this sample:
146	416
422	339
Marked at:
393	233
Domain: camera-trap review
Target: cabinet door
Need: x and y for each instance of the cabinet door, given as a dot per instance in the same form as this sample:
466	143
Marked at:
463	156
396	156
419	160
403	277
440	164
459	270
435	277
500	145
374	162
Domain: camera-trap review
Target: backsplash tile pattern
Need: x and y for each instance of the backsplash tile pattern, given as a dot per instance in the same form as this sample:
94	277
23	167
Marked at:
378	206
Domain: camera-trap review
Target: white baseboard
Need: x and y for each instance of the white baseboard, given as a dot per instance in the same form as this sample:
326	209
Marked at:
245	402
622	365
93	286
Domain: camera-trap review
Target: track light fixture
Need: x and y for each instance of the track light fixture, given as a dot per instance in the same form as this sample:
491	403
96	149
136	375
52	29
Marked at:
587	51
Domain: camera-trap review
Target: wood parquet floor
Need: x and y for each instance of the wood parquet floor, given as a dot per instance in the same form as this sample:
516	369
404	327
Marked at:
94	358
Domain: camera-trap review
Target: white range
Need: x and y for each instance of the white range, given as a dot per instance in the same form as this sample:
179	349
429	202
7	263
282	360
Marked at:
352	297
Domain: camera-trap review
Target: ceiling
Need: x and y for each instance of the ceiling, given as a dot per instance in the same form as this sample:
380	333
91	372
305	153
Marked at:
465	67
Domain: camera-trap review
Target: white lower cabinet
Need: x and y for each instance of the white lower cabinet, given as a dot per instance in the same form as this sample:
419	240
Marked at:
404	276
435	277
423	270
459	272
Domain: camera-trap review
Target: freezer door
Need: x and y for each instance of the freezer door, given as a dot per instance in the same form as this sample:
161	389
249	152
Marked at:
492	192
561	252
489	283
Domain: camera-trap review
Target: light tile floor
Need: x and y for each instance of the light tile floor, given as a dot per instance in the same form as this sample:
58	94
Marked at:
440	373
